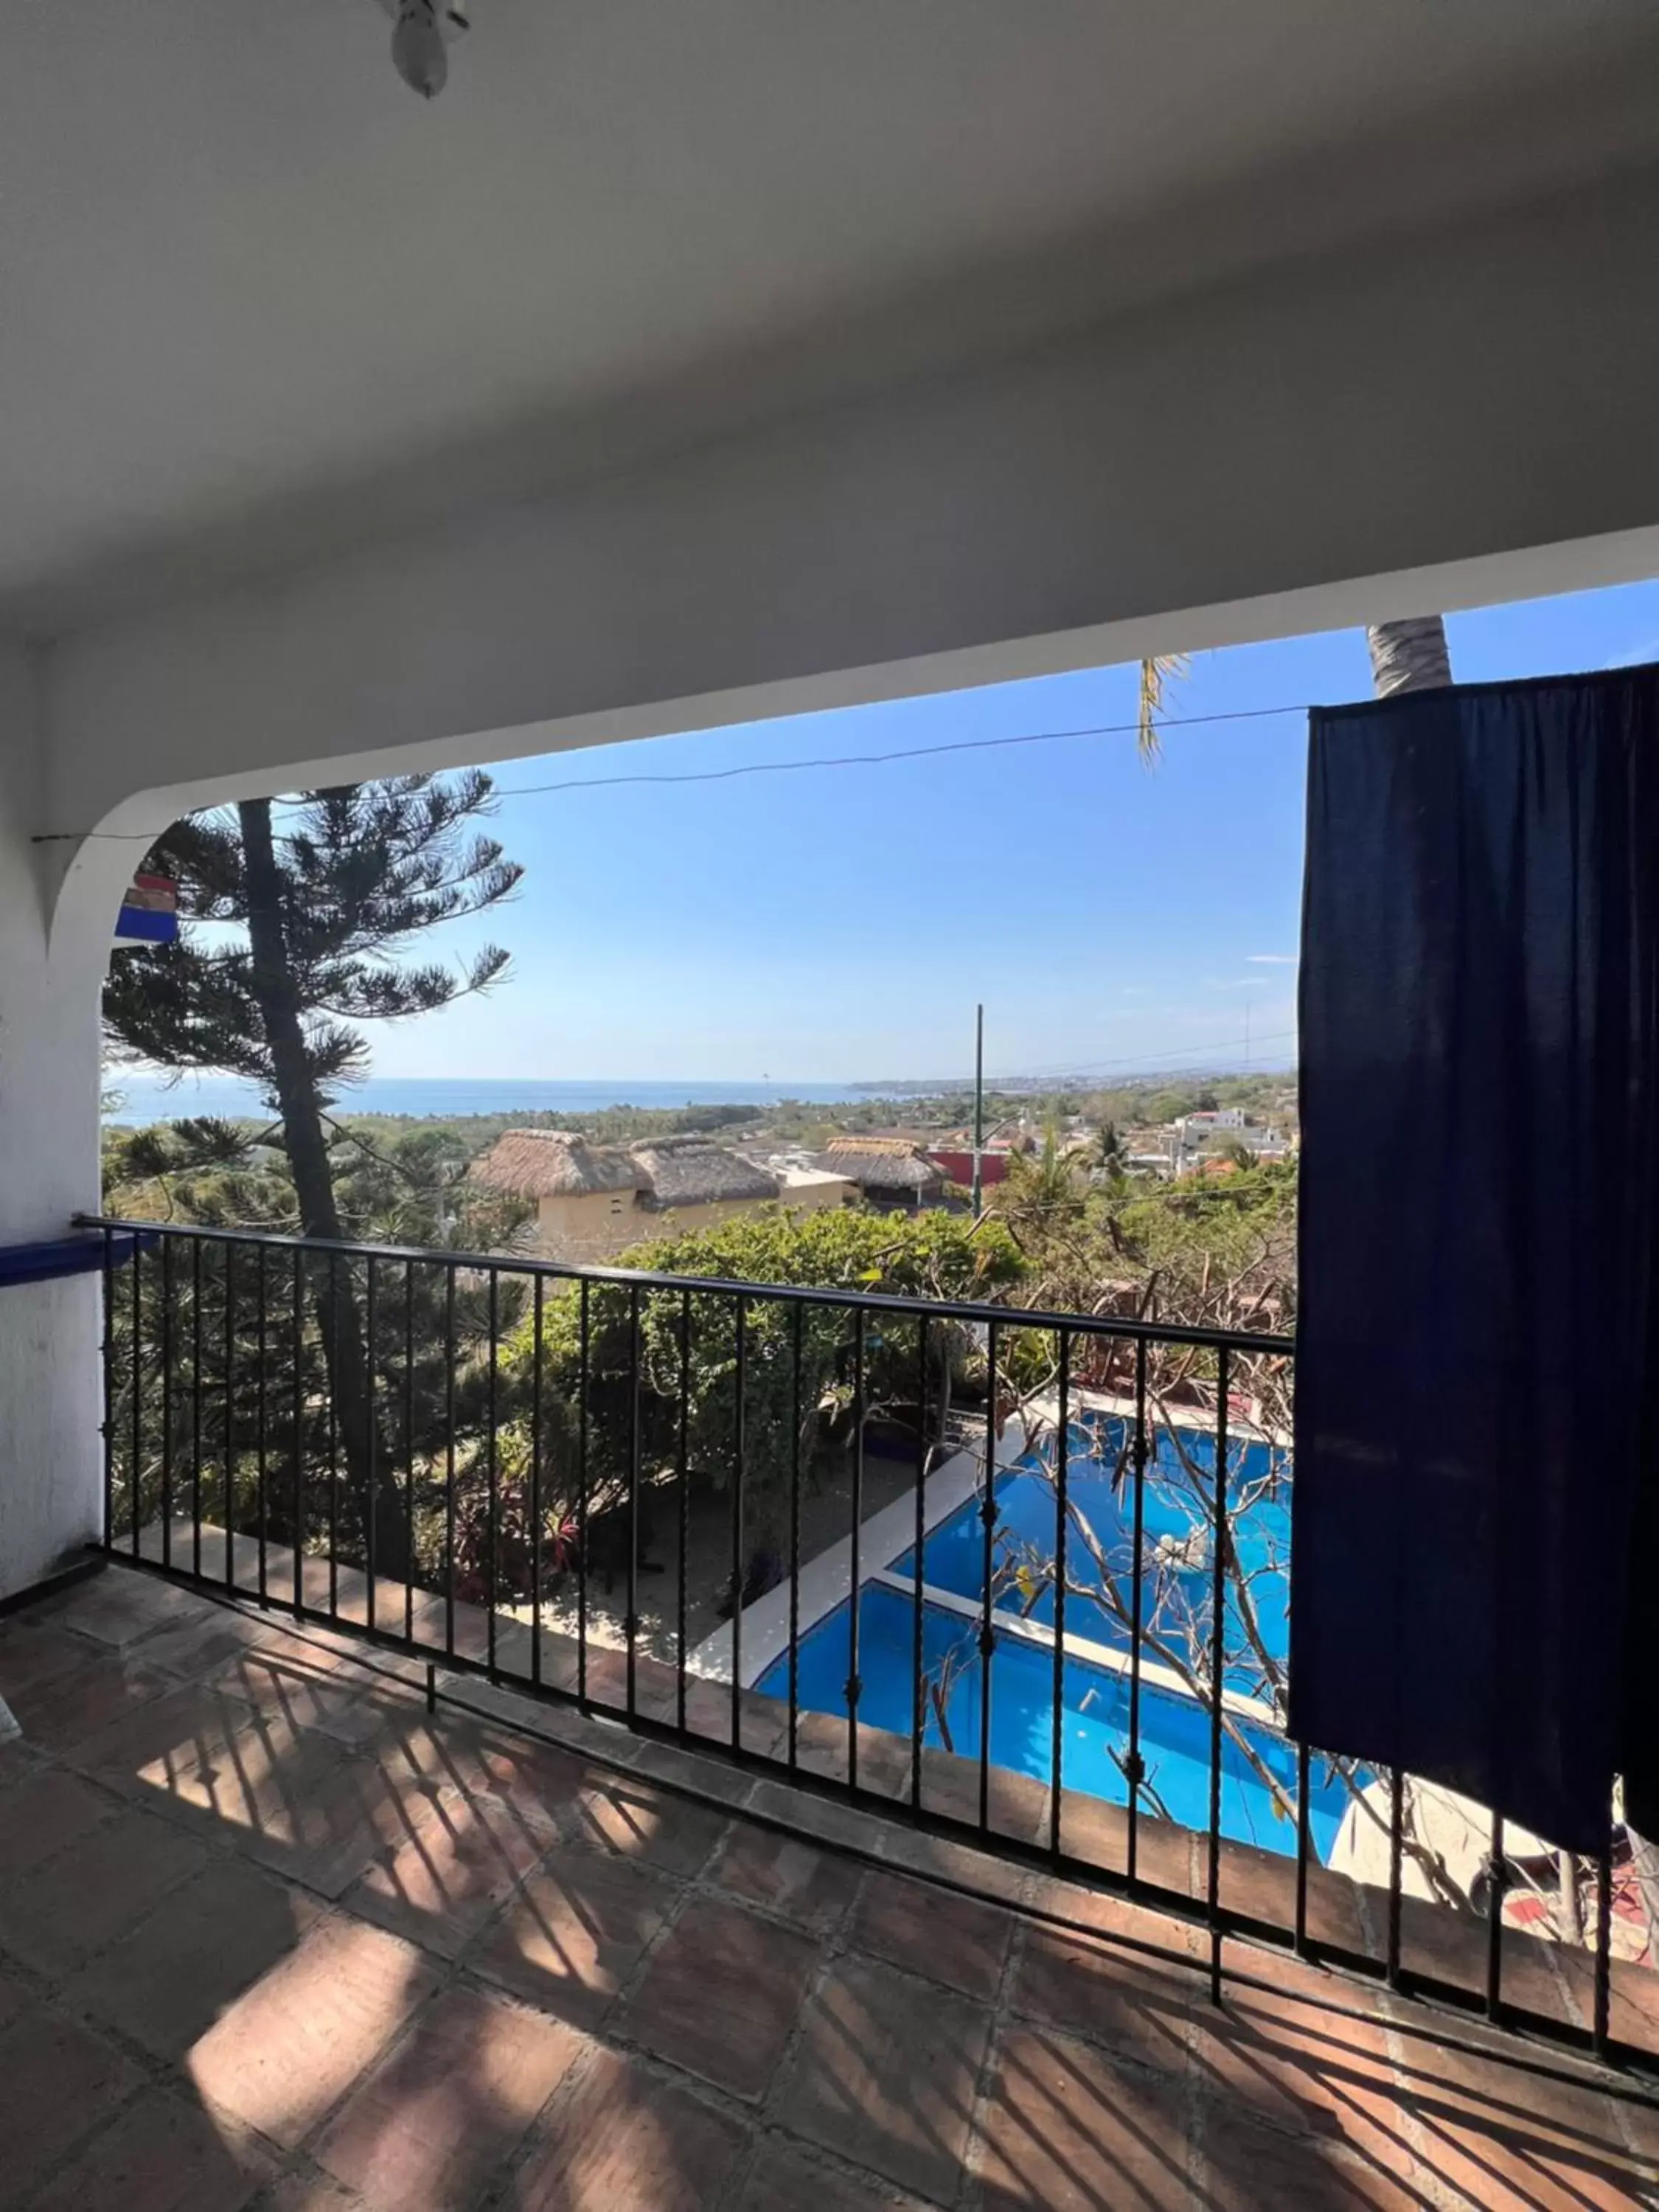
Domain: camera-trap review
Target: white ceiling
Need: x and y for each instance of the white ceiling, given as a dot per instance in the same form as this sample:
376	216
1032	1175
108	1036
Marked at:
254	293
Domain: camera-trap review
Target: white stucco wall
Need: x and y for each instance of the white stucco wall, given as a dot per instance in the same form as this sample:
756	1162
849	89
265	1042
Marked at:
50	1456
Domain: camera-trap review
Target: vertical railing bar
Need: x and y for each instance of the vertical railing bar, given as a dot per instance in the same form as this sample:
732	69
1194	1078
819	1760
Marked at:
854	1689
449	1458
196	1406
683	1500
631	1626
919	1537
739	1446
107	1349
371	1442
1137	1545
1495	1925
537	1300
134	1483
1396	1869
581	1494
986	1637
492	1469
334	1440
261	1419
166	1401
230	1417
796	1357
299	1330
1603	1951
1062	1465
408	1451
1218	1668
1304	1841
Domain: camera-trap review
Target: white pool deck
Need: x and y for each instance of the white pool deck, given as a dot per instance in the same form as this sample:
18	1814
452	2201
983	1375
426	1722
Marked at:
826	1581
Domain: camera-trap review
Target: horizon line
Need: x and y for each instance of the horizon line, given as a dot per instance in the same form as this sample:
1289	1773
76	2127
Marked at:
1089	1078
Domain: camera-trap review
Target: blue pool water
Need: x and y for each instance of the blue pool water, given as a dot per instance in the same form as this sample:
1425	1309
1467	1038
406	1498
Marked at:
1175	1731
1174	1507
1175	1728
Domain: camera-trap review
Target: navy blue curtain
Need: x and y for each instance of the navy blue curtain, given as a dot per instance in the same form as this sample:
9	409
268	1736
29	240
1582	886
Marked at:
1475	1536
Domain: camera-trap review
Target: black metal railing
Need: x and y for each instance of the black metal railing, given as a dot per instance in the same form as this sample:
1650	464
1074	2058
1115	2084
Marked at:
1021	1578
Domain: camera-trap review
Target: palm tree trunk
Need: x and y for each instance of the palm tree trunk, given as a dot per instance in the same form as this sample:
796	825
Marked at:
1409	655
339	1323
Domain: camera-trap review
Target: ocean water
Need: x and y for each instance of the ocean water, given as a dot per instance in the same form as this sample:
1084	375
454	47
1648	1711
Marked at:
141	1097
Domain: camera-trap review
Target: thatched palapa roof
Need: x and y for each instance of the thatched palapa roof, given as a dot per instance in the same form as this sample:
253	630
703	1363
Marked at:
883	1163
665	1172
555	1164
691	1171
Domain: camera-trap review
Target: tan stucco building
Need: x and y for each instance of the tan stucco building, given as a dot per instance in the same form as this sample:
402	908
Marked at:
593	1201
808	1190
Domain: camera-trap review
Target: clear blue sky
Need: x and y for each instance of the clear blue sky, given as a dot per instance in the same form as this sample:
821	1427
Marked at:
835	924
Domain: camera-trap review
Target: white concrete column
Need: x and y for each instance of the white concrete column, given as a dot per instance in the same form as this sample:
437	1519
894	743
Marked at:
54	945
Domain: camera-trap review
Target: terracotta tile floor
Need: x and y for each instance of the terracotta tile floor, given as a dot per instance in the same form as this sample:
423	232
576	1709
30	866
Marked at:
273	1936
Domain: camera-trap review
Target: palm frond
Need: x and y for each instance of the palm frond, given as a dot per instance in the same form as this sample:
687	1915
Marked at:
1162	669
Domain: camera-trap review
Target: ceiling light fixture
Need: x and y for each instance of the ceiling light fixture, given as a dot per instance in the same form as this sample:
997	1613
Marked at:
422	31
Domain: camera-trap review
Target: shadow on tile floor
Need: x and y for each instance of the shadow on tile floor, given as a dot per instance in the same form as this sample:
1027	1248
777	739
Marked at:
274	1936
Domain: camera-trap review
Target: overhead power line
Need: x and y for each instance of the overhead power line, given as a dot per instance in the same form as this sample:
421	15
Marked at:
900	753
785	766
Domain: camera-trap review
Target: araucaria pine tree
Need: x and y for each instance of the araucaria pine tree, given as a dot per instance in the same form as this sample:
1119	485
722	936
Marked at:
315	903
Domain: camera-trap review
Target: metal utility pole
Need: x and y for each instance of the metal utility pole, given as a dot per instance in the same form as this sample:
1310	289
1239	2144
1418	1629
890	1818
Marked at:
978	1110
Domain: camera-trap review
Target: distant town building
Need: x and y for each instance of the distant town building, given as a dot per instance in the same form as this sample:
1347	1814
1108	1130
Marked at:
595	1200
809	1189
691	1176
1226	1125
889	1173
956	1162
953	1153
583	1193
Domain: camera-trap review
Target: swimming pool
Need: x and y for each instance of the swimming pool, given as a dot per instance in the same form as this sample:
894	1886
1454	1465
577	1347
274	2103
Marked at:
1175	1730
1176	1589
1177	1597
